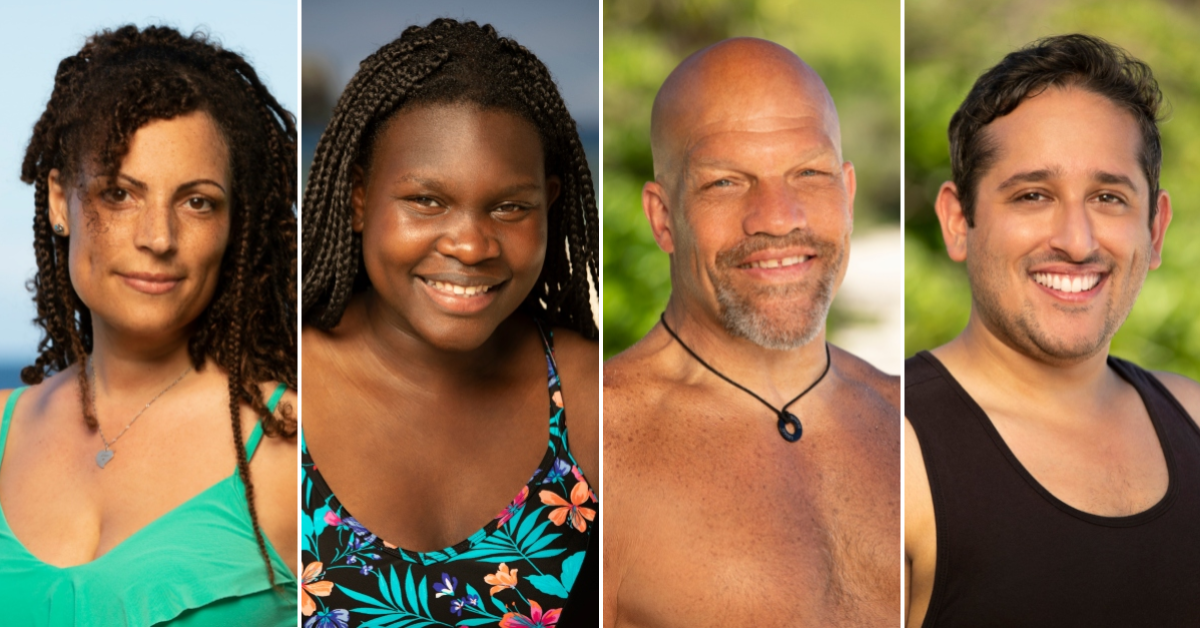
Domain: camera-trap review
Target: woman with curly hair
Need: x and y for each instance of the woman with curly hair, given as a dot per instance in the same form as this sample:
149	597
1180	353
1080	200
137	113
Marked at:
449	241
136	484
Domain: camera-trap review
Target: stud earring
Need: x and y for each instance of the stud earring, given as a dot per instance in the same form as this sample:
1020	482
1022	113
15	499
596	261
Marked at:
59	229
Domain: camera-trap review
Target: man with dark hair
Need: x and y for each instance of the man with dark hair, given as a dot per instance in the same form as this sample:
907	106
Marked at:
751	470
1048	483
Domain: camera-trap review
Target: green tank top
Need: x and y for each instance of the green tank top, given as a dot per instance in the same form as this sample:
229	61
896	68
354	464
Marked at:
197	565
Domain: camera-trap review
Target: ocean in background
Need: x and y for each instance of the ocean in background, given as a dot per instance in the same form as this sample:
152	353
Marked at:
10	373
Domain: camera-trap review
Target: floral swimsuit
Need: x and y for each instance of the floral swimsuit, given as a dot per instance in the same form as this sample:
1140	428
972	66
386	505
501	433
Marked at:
516	572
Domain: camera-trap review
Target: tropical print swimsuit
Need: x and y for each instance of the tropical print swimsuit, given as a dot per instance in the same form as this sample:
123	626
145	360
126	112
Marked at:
516	572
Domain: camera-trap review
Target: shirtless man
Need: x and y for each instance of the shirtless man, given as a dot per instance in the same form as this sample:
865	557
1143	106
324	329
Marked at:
1047	483
712	516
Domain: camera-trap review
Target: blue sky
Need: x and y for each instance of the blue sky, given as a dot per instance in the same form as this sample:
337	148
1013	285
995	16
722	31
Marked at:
35	36
564	34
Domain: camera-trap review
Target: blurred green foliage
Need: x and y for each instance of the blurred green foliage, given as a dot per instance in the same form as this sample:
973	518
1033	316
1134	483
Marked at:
948	45
854	45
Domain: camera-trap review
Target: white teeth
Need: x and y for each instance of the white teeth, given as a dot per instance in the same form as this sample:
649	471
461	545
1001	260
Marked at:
779	263
1067	283
453	288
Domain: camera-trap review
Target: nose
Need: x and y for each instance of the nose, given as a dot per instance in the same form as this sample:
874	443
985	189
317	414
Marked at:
157	228
775	209
470	238
1073	231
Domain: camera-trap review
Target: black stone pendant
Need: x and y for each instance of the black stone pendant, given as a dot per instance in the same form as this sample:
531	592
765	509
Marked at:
788	420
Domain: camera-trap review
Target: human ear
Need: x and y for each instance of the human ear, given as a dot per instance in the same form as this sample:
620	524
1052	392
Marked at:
358	196
654	205
1158	228
954	223
553	188
851	187
58	204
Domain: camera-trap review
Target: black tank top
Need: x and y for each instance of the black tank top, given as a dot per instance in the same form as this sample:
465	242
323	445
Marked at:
1010	554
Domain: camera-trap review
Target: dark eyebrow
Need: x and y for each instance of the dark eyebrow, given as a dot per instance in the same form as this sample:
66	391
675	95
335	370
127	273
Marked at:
1114	179
438	186
132	181
191	184
1032	176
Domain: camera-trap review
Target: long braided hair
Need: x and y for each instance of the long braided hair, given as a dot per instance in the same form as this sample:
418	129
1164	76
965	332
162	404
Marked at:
449	62
119	81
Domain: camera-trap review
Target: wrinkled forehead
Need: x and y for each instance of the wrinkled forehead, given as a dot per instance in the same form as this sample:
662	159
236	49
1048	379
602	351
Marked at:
738	86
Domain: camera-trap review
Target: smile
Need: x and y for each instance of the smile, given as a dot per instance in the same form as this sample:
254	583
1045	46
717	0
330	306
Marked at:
457	289
1068	284
778	263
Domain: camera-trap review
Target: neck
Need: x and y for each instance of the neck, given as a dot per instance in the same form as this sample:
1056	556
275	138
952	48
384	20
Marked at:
121	364
981	353
396	349
775	375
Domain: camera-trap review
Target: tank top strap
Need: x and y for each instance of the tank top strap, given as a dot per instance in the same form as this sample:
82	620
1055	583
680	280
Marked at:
256	435
7	419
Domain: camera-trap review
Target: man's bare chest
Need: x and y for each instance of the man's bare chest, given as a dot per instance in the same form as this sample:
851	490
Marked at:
757	531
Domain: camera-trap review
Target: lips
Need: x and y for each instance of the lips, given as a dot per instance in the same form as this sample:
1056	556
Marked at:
777	262
1068	283
457	289
151	283
460	293
1076	285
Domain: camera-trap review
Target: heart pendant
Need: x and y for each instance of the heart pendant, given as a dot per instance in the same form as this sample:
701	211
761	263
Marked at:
103	457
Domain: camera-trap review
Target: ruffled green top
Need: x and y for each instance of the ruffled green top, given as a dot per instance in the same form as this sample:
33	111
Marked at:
197	565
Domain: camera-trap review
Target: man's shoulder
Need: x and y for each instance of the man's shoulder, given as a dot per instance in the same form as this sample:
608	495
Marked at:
1185	389
631	387
866	379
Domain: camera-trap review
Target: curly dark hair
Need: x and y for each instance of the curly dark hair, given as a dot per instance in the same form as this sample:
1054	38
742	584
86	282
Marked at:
449	62
1082	61
119	81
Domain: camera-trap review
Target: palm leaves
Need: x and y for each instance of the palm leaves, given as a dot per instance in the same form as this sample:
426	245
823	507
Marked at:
522	538
400	607
407	606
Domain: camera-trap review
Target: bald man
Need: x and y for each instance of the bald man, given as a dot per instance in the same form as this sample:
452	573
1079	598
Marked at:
730	501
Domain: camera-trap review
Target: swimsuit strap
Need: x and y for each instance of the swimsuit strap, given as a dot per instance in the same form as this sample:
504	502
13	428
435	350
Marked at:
7	419
256	435
547	344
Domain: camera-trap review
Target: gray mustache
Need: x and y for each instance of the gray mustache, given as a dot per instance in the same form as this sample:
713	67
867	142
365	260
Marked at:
733	256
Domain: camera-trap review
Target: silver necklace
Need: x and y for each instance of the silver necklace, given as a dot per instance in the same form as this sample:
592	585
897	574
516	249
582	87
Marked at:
106	454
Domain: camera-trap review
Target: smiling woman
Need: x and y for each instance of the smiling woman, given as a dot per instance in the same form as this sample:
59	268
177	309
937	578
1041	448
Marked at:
164	177
449	243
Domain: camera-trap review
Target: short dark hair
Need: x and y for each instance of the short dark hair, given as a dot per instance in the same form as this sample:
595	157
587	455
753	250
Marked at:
1081	61
449	62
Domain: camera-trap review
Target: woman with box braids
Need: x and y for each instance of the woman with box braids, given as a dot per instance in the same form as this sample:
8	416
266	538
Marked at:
165	237
424	66
450	238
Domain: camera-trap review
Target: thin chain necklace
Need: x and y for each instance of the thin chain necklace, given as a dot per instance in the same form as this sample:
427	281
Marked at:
786	419
106	454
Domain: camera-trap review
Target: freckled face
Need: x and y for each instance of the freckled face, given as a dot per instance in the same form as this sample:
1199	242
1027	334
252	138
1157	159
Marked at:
453	216
1062	239
146	246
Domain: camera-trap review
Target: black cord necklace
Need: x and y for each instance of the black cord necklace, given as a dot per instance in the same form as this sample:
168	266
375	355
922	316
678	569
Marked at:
786	419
